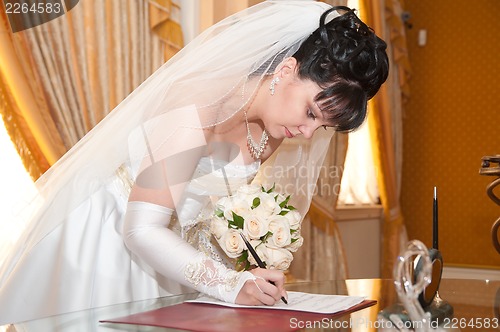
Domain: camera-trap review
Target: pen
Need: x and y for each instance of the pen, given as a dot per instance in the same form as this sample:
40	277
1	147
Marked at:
260	263
435	221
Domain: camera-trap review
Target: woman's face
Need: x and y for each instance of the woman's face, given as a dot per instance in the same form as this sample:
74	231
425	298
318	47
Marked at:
292	111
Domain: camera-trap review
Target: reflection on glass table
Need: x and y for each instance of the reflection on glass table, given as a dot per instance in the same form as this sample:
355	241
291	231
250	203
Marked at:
475	303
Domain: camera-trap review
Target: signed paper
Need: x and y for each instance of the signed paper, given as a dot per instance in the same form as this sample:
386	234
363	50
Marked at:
298	301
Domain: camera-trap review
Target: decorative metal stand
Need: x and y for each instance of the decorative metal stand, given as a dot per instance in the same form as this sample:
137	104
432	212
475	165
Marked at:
491	166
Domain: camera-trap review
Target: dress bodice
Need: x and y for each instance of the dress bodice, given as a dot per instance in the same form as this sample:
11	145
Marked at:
211	180
214	177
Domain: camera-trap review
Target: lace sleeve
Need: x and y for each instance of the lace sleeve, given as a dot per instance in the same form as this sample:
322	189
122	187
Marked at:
146	234
214	279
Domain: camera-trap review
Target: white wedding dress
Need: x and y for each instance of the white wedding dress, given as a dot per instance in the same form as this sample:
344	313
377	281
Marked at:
84	264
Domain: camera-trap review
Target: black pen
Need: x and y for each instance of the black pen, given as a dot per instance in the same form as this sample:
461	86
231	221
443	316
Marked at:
435	221
260	263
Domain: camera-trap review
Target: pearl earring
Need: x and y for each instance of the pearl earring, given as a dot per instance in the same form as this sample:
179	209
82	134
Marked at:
275	81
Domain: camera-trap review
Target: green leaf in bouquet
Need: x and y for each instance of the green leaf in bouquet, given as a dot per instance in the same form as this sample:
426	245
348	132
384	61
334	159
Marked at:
255	202
291	207
219	213
243	257
237	221
285	202
266	236
242	264
269	190
293	240
247	266
283	212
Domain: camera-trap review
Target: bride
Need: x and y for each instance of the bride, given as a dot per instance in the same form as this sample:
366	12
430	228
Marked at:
125	214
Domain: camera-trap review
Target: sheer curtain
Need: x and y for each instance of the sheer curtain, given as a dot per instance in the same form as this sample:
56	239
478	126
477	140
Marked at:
322	257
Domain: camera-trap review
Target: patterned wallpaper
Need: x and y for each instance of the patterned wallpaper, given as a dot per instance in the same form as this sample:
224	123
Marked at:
452	120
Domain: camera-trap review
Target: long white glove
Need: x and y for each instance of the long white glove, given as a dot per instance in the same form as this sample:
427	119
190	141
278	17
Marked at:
146	234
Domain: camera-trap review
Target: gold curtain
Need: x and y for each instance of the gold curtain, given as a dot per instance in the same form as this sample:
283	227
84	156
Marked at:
22	106
385	122
59	79
164	20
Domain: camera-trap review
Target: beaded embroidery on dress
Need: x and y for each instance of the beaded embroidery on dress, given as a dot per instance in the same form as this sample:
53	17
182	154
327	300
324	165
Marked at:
213	179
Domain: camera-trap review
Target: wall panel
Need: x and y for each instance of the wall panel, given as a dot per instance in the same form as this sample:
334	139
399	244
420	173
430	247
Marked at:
450	122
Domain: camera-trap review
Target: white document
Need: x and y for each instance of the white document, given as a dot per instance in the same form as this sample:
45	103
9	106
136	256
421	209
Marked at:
298	301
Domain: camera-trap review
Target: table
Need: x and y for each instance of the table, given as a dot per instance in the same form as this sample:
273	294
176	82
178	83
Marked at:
474	301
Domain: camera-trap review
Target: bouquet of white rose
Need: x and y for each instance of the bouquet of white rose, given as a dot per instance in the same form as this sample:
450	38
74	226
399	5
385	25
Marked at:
270	224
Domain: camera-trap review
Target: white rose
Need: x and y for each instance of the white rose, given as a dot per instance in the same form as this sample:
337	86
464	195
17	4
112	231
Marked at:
232	243
278	258
281	198
255	226
294	246
236	205
223	203
281	232
294	219
218	227
261	251
268	206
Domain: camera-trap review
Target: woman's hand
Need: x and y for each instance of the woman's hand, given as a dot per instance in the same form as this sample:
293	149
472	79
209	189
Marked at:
261	291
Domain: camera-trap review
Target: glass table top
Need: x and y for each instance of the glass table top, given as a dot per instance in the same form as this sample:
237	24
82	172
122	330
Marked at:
473	301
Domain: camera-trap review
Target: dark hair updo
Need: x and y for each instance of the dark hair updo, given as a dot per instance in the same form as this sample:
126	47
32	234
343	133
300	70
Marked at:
347	60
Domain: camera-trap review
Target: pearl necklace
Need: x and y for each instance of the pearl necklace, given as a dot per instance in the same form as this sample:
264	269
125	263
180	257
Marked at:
255	149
